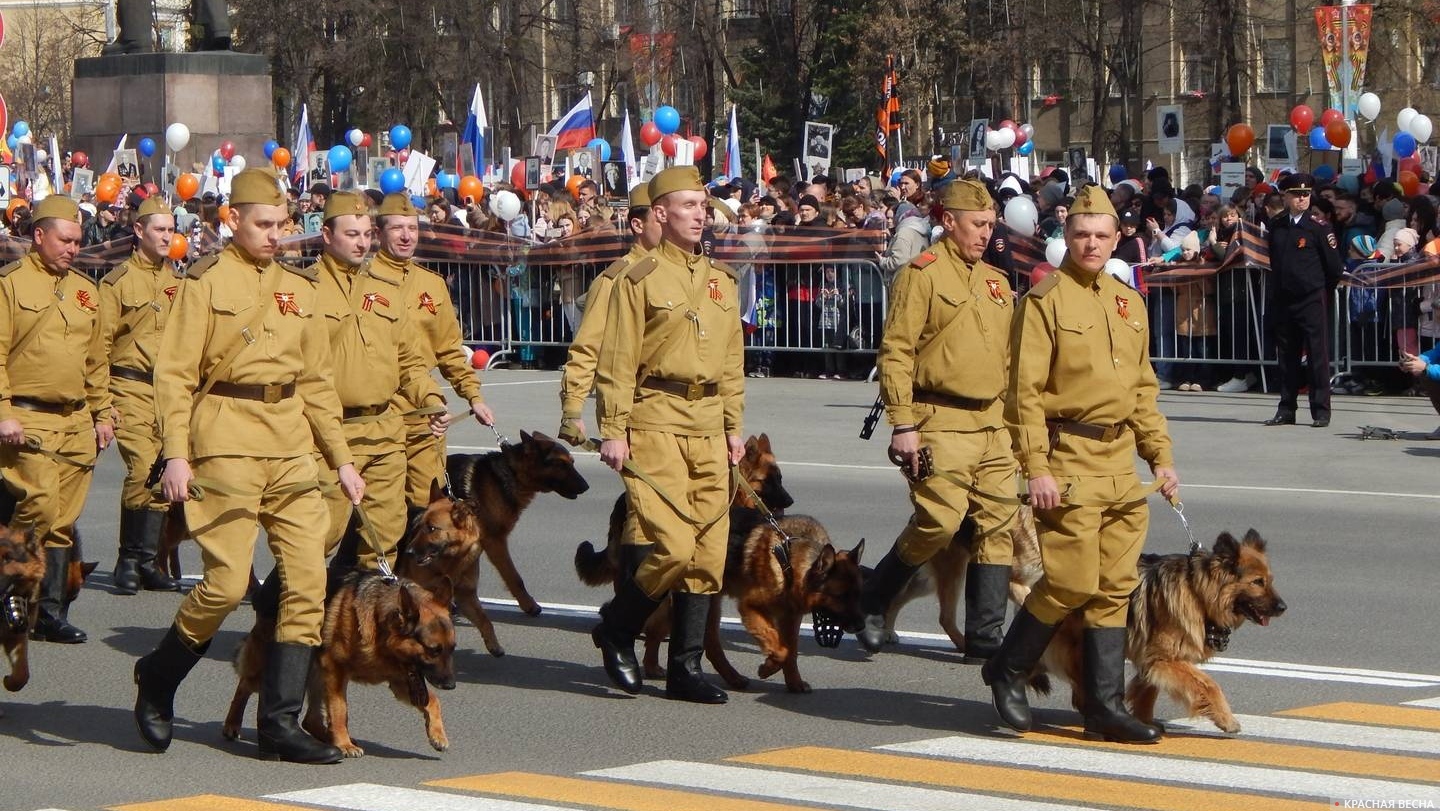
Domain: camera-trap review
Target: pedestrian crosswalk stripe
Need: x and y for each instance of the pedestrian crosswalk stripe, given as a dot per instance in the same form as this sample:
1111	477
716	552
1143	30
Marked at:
1170	769
1433	703
373	797
604	794
1372	714
817	789
1001	779
207	802
1324	733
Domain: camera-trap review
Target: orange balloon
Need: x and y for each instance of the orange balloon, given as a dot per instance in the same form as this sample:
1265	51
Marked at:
471	189
1409	183
1240	137
280	157
1338	134
187	186
573	184
107	192
110	176
178	247
224	213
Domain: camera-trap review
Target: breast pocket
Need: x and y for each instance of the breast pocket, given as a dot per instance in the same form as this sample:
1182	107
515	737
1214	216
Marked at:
1073	337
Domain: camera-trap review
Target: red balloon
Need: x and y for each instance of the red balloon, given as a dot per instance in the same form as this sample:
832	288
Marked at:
366	141
1302	118
701	148
79	159
1007	124
1410	164
1409	183
667	145
227	150
1329	117
1239	138
480	358
1337	132
650	134
1039	272
1020	137
517	175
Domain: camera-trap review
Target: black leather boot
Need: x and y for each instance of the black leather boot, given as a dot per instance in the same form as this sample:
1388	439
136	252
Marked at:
127	561
684	680
51	626
1106	717
148	526
157	677
1008	671
631	556
621	620
282	694
266	598
987	585
890	576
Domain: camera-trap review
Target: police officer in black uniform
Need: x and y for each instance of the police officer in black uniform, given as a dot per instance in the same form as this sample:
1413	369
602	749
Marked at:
1305	268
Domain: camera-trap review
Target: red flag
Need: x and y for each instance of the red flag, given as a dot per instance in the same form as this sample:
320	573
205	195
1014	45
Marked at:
767	170
887	115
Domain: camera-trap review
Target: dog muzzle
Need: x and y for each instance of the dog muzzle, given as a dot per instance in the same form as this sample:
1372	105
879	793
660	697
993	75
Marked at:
828	631
16	613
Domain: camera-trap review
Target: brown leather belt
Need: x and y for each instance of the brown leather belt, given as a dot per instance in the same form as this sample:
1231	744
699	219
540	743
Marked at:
351	412
936	398
45	406
1101	433
131	374
690	391
270	393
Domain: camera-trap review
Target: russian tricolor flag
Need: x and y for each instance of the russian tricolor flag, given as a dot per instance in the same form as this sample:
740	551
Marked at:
474	135
732	148
301	147
576	128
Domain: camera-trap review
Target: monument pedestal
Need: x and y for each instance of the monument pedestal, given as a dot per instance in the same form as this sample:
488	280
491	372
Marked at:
219	95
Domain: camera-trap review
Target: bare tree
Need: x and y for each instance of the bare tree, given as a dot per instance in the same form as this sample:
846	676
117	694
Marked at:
42	45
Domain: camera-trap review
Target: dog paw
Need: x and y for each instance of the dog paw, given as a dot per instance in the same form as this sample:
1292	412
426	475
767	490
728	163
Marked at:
230	733
439	742
1229	725
15	685
800	687
768	668
350	750
532	608
495	650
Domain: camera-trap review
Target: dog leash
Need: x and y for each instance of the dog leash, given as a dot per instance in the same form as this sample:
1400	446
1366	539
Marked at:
780	549
366	530
34	445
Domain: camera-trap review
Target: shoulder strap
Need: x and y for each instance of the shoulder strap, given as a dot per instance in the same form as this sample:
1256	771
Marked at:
641	268
8	269
247	337
197	268
616	268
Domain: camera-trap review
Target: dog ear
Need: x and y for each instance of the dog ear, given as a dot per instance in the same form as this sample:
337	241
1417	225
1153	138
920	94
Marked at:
1254	541
820	569
1227	548
763	443
524	436
857	552
409	609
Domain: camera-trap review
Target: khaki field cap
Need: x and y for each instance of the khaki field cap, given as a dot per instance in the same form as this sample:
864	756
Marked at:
640	195
259	186
397	204
345	202
966	195
153	204
56	206
1093	200
676	178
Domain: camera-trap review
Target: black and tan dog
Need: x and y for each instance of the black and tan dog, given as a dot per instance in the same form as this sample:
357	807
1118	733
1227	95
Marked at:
22	568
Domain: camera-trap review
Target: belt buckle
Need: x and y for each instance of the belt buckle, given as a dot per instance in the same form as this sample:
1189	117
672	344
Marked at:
272	392
694	391
1111	433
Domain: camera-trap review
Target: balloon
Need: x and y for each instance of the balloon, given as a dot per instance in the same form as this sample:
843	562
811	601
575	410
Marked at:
227	150
993	139
1026	149
1421	127
280	157
270	147
223	213
1055	252
401	156
1302	118
107	192
1021	137
1117	173
479	359
602	145
392	180
701	147
517	175
147	147
1028	130
179	246
471	189
366	141
356	137
1404	117
110	177
1039	272
21	129
573	184
1239	138
1330	116
1118	268
417	200
447	180
79	159
1369	106
1409	183
1404	145
1410	164
340	158
1324	173
12	142
1338	134
1317	139
186	186
238	163
1006	138
667	145
41	155
667	118
217	162
1007	124
1021	215
177	135
400	136
650	134
505	205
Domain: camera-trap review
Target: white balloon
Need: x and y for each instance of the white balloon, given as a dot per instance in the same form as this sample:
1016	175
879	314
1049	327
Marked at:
1421	127
1369	106
1021	215
505	205
1120	269
1404	117
41	155
1007	138
992	139
1055	252
1028	130
27	138
238	163
177	135
355	137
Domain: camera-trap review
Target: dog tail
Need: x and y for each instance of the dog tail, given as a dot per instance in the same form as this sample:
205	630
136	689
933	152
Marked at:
594	566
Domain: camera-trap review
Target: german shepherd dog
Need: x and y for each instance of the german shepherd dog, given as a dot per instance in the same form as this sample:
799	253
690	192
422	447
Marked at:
381	631
761	471
22	567
1181	615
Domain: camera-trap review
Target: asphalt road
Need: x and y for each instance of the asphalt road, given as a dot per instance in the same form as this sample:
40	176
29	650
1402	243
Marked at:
1350	525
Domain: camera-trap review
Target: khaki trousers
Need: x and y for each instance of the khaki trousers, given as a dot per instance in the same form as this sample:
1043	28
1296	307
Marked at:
695	471
983	458
383	505
50	494
424	463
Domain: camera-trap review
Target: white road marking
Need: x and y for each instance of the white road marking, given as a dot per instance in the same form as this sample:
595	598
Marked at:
1431	703
1324	733
374	797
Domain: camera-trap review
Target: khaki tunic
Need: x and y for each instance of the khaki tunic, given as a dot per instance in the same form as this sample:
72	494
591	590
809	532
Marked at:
578	376
264	451
947	332
1080	352
135	303
680	321
64	363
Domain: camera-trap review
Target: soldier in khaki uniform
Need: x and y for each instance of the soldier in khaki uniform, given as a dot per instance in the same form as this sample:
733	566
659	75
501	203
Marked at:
1081	404
424	297
248	333
670	399
943	363
135	303
578	376
54	397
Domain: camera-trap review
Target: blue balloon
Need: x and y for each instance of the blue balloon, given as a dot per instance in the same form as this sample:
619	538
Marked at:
1025	149
217	162
12	142
21	129
895	177
147	147
447	180
1404	145
270	147
340	158
667	118
1117	172
1318	139
400	136
418	200
602	145
392	180
1324	173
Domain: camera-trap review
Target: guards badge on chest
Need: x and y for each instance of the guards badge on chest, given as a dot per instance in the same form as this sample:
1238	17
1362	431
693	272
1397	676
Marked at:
996	294
1122	306
713	285
287	304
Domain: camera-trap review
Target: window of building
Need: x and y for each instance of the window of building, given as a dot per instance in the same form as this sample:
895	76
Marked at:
1197	72
1276	61
1050	75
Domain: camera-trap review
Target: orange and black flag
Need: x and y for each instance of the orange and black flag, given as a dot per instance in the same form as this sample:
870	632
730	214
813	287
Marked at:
887	115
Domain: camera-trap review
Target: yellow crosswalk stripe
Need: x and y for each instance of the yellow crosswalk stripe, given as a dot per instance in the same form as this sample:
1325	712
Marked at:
604	794
1370	714
208	802
1018	782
